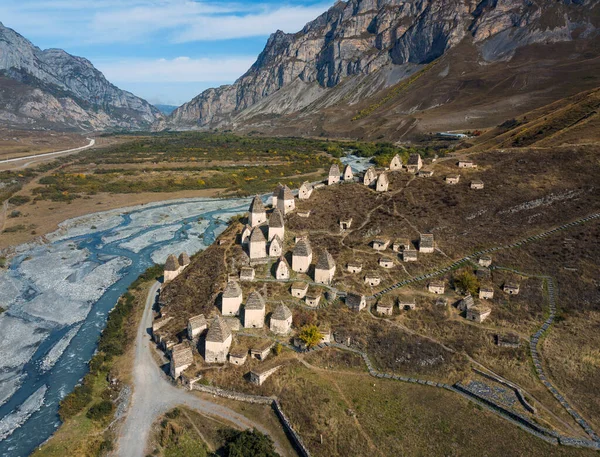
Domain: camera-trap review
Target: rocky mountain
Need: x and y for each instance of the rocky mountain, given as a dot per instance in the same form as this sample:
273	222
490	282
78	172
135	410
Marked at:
365	57
54	89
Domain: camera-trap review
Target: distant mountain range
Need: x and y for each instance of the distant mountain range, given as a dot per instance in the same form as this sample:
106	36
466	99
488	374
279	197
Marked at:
53	89
166	109
396	68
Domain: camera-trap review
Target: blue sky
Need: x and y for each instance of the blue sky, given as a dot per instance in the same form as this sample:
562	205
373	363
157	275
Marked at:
166	51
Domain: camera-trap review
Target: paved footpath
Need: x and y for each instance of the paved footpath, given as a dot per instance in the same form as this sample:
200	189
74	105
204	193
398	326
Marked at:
154	395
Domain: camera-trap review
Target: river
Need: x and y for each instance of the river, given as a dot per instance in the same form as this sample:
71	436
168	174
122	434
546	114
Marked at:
58	295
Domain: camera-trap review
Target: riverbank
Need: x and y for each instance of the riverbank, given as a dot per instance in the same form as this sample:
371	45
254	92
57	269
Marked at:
110	379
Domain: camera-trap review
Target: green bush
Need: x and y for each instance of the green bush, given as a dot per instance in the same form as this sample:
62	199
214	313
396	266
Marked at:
18	200
76	401
100	411
249	444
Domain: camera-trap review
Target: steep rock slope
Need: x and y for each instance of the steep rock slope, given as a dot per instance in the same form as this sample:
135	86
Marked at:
361	47
52	88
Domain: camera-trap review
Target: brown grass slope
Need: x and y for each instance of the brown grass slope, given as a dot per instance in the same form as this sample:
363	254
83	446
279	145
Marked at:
459	91
572	120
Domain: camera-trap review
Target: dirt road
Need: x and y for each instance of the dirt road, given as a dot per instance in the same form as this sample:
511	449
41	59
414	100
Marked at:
154	395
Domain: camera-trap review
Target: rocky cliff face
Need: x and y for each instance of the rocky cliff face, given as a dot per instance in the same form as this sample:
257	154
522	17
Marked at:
53	88
361	37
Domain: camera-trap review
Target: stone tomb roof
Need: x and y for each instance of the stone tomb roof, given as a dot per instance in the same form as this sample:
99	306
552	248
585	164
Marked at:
334	170
197	321
282	313
182	355
232	290
257	235
184	259
172	264
325	261
302	248
276	219
219	331
255	301
257	205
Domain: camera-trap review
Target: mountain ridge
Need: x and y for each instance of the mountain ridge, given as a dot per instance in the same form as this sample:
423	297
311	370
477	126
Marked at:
54	89
386	40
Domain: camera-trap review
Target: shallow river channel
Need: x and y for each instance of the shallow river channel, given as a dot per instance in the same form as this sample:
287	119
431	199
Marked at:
58	296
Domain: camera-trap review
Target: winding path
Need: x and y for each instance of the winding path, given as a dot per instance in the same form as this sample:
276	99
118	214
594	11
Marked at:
154	395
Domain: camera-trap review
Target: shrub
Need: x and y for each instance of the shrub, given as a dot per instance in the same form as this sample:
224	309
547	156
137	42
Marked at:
310	335
100	411
467	282
75	401
249	444
19	200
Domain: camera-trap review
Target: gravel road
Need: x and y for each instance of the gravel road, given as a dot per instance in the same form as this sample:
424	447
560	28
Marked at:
153	395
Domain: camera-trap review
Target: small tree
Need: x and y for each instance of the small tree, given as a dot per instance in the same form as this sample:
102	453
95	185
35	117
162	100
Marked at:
310	335
277	348
467	281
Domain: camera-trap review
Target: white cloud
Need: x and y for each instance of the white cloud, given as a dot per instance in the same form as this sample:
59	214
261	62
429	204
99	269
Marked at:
178	70
175	21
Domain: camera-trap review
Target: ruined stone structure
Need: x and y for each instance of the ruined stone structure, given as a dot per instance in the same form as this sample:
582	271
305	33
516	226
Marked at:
426	243
452	179
196	325
238	355
486	292
218	341
325	268
425	173
477	184
354	267
282	271
285	200
466	164
401	245
355	302
485	261
345	224
299	289
305	191
386	262
380	244
257	247
436	287
301	256
181	358
247	274
313	298
407	304
372	279
275	247
348	173
258	213
385	307
275	195
396	163
511	288
254	311
409	255
478	313
261	348
466	303
281	320
260	374
276	224
334	175
415	163
231	300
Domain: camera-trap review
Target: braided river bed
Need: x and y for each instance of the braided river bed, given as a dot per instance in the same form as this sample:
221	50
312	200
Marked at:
57	297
